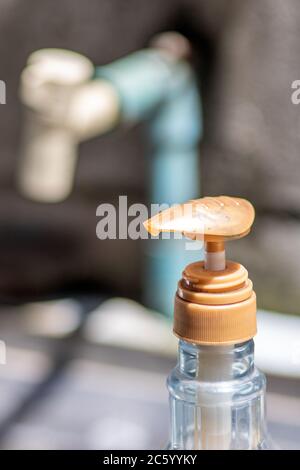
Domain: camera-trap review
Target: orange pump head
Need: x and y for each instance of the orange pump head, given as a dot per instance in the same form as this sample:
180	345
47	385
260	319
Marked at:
215	302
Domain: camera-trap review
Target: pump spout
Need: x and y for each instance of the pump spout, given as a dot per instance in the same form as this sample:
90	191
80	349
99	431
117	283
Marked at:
214	219
211	219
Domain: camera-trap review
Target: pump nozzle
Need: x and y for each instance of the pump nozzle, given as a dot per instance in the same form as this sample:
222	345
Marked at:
216	219
211	289
213	219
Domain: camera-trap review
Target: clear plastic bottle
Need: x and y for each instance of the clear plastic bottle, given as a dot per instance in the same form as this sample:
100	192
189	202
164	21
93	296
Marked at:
217	395
217	398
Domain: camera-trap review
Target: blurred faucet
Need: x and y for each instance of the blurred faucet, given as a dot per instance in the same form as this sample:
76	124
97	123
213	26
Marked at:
64	106
68	100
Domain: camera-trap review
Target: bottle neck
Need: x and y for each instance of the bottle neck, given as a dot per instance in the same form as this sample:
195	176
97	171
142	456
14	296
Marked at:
216	363
217	398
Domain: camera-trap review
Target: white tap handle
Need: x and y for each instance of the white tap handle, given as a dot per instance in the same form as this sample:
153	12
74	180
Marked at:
64	107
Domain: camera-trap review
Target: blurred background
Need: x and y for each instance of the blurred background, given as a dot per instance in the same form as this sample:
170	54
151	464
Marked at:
87	353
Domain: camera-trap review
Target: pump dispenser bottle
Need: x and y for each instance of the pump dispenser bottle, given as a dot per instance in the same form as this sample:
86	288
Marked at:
217	395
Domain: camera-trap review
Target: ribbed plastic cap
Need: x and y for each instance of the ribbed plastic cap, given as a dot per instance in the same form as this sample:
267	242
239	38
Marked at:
215	307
